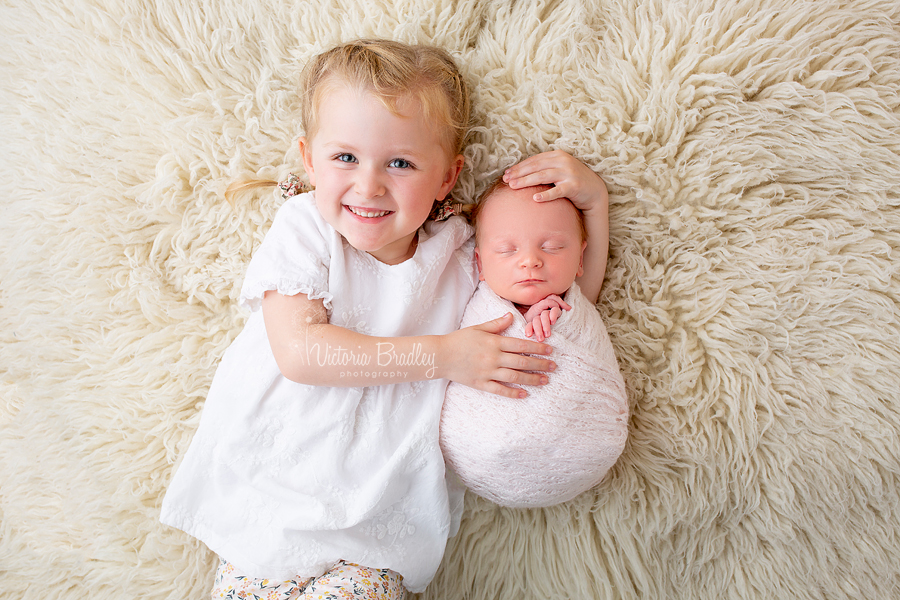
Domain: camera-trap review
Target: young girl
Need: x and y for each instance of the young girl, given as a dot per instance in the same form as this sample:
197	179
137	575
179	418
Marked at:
318	447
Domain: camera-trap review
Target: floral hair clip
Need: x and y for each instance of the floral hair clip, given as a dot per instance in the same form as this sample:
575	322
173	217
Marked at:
444	209
291	186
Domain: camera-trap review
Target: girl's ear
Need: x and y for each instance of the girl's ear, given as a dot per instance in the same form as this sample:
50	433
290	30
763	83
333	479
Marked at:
478	261
581	260
306	153
450	176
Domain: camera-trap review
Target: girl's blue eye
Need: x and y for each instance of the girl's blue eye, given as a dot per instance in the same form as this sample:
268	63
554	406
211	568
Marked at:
347	158
399	163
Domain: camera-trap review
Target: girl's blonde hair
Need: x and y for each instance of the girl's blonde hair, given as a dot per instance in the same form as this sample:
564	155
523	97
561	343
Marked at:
391	71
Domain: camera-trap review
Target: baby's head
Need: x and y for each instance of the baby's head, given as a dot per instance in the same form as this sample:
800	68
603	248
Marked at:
527	250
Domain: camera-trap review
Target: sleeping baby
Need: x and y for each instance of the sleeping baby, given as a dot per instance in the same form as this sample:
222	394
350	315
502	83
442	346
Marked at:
563	437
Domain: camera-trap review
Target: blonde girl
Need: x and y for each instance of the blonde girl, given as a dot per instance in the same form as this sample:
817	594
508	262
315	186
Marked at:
317	450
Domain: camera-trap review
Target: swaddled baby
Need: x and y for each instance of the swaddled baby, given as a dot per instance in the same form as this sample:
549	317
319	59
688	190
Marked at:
563	437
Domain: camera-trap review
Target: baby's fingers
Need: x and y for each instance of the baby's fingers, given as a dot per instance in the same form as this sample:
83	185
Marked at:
539	325
554	314
547	319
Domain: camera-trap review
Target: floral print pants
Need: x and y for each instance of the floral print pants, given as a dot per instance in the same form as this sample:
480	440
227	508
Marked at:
344	581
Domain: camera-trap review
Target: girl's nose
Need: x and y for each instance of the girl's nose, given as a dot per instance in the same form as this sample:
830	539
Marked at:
368	184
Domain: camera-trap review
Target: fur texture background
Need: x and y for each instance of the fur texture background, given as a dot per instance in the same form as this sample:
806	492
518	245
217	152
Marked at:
751	149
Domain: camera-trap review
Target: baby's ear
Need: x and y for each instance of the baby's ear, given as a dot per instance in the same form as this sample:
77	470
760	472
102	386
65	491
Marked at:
478	262
306	153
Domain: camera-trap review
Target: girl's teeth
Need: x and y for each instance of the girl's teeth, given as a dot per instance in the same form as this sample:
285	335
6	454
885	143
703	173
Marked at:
369	214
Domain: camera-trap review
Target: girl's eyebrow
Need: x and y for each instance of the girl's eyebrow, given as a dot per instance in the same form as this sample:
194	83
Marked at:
410	151
339	143
332	146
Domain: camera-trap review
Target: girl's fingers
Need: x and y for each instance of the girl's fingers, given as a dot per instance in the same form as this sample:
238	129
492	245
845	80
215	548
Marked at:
540	177
554	193
504	390
497	325
556	160
505	376
520	362
540	161
520	346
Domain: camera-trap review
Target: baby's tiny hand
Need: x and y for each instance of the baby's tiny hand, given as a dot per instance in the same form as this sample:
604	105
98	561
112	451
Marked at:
569	177
541	316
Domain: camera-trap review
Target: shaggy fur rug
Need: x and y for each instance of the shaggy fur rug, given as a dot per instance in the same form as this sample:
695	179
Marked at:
751	150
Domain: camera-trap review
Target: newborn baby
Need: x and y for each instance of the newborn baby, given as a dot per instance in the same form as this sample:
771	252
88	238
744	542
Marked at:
563	437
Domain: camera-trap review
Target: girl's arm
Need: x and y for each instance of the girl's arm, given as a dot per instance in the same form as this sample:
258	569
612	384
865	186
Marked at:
572	179
310	350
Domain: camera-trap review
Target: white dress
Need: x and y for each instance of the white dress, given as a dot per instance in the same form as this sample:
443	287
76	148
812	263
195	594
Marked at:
284	479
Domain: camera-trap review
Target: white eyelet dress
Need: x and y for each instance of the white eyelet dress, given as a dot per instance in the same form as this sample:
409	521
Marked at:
284	480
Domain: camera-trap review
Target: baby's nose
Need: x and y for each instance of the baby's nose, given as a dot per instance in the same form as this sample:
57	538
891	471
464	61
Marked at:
530	259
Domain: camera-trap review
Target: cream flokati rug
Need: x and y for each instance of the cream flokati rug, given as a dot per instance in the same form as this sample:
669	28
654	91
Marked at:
751	150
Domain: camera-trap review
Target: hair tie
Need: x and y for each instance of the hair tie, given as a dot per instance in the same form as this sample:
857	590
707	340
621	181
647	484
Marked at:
291	186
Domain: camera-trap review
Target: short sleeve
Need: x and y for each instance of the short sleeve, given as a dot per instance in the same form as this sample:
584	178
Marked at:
294	257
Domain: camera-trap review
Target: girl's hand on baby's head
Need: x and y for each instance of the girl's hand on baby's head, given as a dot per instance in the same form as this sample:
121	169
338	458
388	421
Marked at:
480	358
541	316
569	177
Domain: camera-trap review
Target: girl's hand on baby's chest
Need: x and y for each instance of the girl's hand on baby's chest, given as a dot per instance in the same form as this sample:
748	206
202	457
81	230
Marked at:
480	358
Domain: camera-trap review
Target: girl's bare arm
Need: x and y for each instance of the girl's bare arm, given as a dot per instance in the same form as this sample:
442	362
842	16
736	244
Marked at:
310	350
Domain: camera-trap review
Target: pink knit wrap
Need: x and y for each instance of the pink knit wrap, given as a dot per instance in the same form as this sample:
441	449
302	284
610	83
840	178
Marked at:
559	441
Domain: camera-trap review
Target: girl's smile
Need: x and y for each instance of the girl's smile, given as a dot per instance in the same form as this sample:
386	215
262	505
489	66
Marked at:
376	173
369	215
